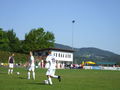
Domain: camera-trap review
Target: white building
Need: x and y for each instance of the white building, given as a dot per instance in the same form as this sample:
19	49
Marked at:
63	56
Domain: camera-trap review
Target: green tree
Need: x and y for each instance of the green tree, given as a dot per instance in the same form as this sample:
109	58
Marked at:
38	39
14	42
3	40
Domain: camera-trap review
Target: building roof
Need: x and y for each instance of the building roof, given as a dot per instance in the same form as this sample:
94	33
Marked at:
55	49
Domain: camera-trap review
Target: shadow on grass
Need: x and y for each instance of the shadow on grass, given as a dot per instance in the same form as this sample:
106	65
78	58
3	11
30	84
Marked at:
3	72
22	77
37	83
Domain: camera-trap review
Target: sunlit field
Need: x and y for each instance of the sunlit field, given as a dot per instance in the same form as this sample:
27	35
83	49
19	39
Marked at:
72	79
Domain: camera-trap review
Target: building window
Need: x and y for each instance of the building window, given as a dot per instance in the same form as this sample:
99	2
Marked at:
69	56
66	56
56	54
59	54
63	55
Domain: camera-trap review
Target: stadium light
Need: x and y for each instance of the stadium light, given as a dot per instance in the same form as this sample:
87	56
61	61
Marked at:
73	21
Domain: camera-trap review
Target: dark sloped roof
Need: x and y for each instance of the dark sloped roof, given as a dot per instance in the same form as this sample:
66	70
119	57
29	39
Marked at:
56	49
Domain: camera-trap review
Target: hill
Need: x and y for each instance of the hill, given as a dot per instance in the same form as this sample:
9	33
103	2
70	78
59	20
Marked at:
91	54
80	54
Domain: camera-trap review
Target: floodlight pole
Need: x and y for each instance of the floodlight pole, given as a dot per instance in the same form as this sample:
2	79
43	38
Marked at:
73	21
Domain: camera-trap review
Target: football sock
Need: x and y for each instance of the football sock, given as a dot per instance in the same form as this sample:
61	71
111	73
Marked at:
33	75
50	80
8	71
28	75
11	71
55	76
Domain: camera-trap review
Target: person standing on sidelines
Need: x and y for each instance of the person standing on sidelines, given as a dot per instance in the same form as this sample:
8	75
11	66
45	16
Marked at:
51	61
31	66
11	62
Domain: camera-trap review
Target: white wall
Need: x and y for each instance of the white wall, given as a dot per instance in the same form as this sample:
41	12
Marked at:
63	56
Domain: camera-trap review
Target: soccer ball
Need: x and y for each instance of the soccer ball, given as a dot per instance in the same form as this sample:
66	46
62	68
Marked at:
18	73
46	81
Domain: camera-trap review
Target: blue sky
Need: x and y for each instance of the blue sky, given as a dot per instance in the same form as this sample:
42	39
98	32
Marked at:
97	22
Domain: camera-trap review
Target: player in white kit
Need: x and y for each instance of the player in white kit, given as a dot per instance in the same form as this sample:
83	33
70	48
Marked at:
31	67
51	68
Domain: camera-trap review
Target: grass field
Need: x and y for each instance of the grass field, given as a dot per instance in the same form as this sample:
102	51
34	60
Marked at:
73	79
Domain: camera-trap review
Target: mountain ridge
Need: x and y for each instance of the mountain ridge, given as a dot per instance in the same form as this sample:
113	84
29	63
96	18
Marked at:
91	54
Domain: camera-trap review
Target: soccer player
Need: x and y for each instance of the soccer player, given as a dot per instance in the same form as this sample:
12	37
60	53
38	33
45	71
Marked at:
11	62
31	66
51	68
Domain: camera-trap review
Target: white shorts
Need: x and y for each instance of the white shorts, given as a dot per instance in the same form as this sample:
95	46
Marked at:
47	65
50	72
31	68
11	65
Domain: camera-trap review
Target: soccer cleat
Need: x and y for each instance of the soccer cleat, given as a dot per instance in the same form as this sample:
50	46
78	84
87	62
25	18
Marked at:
59	78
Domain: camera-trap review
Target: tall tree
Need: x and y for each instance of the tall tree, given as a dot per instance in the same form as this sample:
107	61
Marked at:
14	42
3	40
38	39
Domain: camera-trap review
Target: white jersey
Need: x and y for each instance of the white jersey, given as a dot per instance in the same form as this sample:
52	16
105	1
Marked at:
32	61
51	61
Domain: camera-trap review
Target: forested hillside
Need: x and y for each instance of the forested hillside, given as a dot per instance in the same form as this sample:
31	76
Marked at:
39	39
91	54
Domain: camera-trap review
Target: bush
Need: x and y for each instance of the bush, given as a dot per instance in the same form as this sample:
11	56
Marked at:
19	58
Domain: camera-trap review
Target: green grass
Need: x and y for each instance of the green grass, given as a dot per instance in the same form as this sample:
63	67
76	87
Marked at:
71	80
